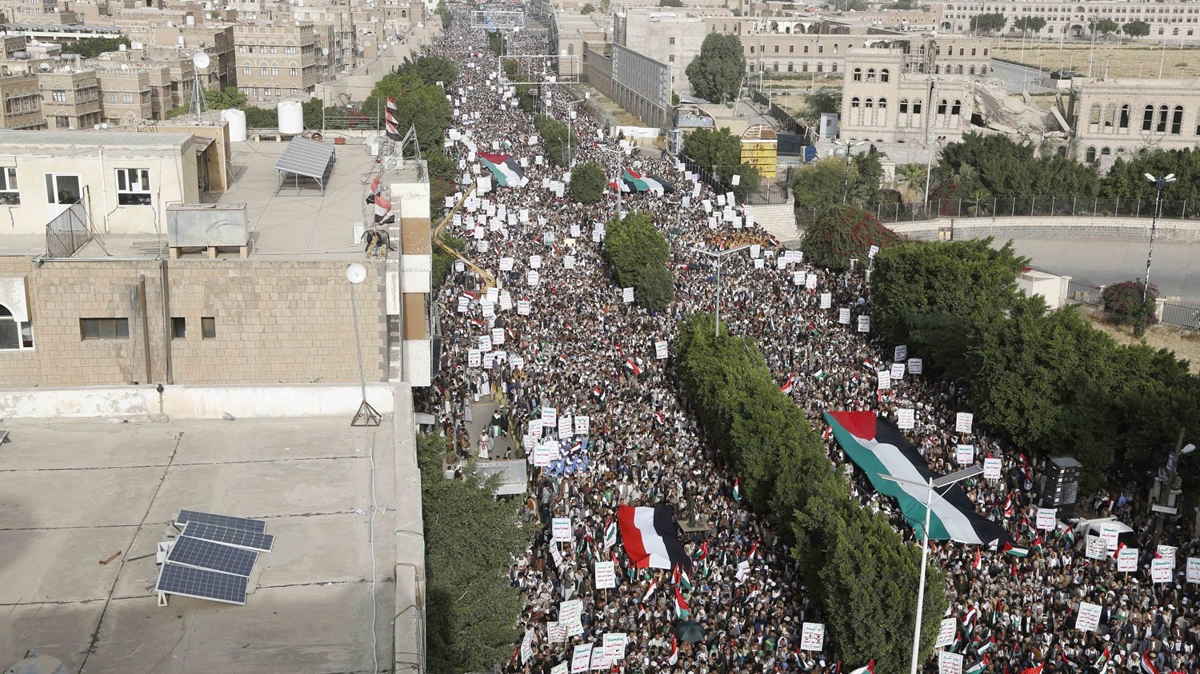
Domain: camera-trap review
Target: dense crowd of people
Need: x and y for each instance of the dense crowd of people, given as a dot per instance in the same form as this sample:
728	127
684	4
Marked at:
567	340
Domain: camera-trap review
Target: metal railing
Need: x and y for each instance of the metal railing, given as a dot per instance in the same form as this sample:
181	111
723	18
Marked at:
791	124
1034	206
1183	314
67	232
1084	292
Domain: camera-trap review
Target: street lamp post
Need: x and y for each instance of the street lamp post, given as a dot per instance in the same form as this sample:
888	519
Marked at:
366	415
718	257
617	154
846	183
1164	499
1158	186
930	488
571	126
930	114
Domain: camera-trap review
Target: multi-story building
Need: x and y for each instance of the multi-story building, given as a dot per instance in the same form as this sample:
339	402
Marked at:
1121	118
1172	21
884	99
22	101
70	98
642	86
125	95
275	61
670	38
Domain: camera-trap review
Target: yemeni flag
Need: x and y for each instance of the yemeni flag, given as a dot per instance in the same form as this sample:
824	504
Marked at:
650	591
682	610
869	669
651	537
633	366
881	450
504	168
978	563
1148	666
674	651
383	211
786	389
639	182
392	132
1034	670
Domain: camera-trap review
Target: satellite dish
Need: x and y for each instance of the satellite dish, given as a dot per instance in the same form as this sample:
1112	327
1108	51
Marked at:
200	59
356	273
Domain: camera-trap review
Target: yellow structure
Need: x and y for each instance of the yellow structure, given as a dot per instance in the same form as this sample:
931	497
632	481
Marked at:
760	148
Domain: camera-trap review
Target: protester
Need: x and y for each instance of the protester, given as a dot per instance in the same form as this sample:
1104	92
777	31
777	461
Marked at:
584	352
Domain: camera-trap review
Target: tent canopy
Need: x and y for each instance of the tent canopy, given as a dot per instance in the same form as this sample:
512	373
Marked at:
305	158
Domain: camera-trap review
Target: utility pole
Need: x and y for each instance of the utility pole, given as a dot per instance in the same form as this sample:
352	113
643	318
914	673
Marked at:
1165	497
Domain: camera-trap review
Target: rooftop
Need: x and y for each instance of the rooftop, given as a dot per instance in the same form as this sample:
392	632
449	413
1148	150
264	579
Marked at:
73	139
310	607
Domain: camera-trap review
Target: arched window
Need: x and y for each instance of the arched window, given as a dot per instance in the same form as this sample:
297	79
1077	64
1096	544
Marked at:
833	67
958	70
857	76
854	102
1161	127
1062	150
937	70
1123	121
883	75
870	74
775	66
1104	152
882	103
972	71
903	106
957	108
916	106
1148	118
804	67
941	108
869	103
881	118
1177	121
1090	155
791	67
10	332
820	67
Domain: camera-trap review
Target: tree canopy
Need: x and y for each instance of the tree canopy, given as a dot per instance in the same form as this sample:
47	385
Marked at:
1007	169
840	233
716	73
555	135
431	70
1136	29
417	104
988	23
587	183
1029	24
1105	26
638	254
91	47
721	152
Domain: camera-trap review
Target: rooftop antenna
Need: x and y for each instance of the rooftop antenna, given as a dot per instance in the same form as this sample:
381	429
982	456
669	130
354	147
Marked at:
199	103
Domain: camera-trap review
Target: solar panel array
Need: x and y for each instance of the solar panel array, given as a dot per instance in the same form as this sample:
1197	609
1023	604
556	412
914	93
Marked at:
213	556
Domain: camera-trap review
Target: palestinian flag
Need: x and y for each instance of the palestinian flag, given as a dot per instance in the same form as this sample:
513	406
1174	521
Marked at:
1148	666
881	450
638	182
1015	551
682	610
1102	661
977	667
737	493
869	669
819	375
610	536
651	537
504	168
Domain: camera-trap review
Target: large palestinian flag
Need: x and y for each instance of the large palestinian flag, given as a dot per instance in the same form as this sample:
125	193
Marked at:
651	538
879	448
507	171
644	182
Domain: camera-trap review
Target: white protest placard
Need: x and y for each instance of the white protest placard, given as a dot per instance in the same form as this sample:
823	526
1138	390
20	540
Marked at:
660	350
1127	560
1095	547
864	323
897	370
906	418
627	295
582	425
535	261
506	264
946	632
485	343
915	366
901	353
463	305
872	251
963	422
1193	569
474	357
523	307
544	455
564	426
575	231
489	359
536	427
488	307
885	379
1109	533
562	667
844	315
527	646
614	646
549	417
949	663
743	570
812	637
497	335
797	278
505	301
964	454
810	281
556	633
568	262
532	278
561	526
991	469
606	575
760	263
1047	519
1167	552
570	613
1089	617
1160	571
826	300
599	662
581	659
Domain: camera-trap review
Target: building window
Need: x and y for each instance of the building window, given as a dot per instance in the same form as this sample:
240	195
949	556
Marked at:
854	102
916	107
104	328
245	70
972	51
62	122
790	67
775	67
884	75
59	96
820	49
10	332
1123	122
1090	155
870	74
776	49
1148	118
110	97
792	47
941	108
127	97
9	196
805	49
1177	121
903	106
263	71
857	75
208	328
275	72
178	328
295	72
1162	120
833	67
133	187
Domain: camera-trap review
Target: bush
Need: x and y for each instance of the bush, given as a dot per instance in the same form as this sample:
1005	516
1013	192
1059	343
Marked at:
587	183
655	288
1125	304
840	233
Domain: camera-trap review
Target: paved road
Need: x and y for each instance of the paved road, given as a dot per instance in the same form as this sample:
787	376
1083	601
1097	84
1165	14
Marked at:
1016	75
1176	269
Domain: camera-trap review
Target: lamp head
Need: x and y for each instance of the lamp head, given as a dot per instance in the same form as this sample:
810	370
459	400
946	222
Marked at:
1151	178
1188	448
356	273
1170	178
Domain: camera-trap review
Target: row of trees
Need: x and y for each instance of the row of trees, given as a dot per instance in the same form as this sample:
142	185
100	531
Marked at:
720	152
470	539
1043	381
559	138
862	573
994	22
638	254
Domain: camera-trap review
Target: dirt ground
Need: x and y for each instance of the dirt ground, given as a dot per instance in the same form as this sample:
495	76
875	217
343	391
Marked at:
1185	343
1124	60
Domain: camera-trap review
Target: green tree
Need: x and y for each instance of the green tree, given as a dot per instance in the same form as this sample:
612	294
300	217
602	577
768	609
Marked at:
220	99
670	3
720	152
418	105
555	134
431	70
1027	24
587	183
1131	303
819	184
444	261
1126	179
588	9
822	101
988	23
1136	29
911	177
1105	26
470	539
446	15
655	287
637	251
1008	169
716	74
840	233
91	47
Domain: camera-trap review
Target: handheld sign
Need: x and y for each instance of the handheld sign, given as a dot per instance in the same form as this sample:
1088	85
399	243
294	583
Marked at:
965	454
946	633
1167	552
963	422
561	526
897	370
582	425
915	366
872	251
864	323
660	350
1160	571
1089	617
606	576
826	300
906	418
581	658
1127	560
1047	518
991	469
950	663
627	295
885	379
614	646
812	637
844	316
1109	534
1193	569
1095	547
901	353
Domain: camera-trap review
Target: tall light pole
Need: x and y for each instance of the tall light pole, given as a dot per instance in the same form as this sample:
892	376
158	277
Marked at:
930	488
571	126
366	415
1164	499
930	113
846	183
617	154
1158	186
718	257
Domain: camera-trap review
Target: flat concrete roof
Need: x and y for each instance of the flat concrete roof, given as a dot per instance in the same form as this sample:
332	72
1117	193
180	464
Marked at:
120	139
73	493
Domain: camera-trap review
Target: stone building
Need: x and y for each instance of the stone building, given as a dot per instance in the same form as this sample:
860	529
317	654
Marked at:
884	100
1173	22
22	102
1121	118
70	98
275	61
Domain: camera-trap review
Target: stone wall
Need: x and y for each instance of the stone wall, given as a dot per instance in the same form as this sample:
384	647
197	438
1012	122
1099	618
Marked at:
1060	227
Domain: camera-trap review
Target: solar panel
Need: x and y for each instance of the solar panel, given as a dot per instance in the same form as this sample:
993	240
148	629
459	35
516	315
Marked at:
235	537
242	523
215	556
185	581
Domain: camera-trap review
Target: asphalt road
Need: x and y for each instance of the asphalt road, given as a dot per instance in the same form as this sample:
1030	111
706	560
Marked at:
1017	75
1176	268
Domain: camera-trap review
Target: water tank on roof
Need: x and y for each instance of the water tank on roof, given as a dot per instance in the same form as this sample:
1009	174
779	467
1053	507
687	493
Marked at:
291	118
237	124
